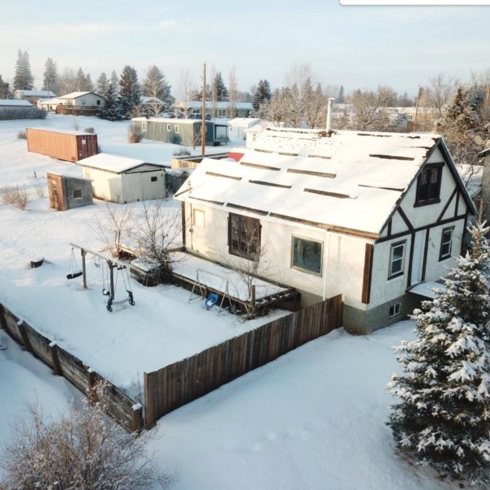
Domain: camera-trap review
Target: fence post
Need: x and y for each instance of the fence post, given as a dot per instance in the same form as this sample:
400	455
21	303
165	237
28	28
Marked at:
25	337
149	409
137	418
54	357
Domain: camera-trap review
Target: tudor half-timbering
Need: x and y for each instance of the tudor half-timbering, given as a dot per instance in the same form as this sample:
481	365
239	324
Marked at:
377	217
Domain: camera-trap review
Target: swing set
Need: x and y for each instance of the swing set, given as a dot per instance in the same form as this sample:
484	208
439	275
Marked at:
108	277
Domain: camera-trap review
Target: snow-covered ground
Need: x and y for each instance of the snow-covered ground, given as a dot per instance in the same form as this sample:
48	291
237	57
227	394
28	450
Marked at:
314	419
162	328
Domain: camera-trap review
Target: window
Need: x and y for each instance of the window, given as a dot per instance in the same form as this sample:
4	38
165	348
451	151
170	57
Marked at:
307	255
198	218
169	127
446	243
244	236
429	185
177	129
98	102
144	125
395	309
77	194
397	259
154	179
84	102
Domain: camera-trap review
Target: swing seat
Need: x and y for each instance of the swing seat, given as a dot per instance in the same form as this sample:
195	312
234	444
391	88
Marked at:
74	275
211	301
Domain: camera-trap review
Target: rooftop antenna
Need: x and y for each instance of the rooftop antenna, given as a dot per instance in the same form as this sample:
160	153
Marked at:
329	115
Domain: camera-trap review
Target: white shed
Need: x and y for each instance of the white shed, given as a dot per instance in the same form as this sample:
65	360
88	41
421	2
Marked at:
239	126
123	180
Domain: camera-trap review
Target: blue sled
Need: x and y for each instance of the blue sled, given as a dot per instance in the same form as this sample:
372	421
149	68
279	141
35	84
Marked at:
211	301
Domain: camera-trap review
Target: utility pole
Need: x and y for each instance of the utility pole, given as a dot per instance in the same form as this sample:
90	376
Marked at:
203	111
416	110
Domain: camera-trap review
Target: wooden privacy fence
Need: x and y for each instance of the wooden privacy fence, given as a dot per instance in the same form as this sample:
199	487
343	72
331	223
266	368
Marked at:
184	381
127	412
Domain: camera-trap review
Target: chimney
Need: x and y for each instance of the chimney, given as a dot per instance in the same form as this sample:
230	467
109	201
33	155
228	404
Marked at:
329	116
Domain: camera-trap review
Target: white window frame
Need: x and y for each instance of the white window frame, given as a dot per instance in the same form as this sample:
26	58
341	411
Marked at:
144	126
391	274
176	129
298	268
169	127
450	242
397	308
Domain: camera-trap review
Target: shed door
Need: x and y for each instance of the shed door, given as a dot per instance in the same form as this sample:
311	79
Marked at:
82	148
418	258
221	133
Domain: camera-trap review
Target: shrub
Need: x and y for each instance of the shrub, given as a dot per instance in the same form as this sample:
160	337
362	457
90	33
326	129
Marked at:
175	139
183	152
89	130
15	196
134	134
83	449
21	135
27	113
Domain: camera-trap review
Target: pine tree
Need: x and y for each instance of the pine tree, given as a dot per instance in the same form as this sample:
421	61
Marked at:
50	80
80	80
129	91
340	96
443	419
114	81
102	84
88	85
4	89
23	79
155	84
262	94
220	88
111	110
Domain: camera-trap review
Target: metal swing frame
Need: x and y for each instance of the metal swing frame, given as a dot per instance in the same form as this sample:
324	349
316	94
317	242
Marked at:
203	290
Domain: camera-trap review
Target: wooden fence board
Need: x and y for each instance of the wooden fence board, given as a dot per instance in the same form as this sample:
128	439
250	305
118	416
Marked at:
184	381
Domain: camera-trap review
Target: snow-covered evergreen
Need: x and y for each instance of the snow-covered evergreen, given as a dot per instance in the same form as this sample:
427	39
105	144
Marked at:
112	109
102	84
129	90
50	79
262	94
23	79
443	418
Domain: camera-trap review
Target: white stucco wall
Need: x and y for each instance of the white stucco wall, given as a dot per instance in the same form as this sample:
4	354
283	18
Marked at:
87	100
105	185
138	186
343	271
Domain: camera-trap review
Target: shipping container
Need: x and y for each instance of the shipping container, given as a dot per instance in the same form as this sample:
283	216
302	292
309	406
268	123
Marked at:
71	146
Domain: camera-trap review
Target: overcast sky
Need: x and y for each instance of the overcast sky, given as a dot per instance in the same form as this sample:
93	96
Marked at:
350	46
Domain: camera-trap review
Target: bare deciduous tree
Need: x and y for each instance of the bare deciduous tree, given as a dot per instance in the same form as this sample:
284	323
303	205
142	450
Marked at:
232	94
114	226
156	232
187	88
83	449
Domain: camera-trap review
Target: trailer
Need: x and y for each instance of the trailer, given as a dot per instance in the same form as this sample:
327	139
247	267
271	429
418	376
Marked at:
71	146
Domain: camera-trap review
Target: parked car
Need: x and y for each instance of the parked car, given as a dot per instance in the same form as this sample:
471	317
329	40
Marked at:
198	116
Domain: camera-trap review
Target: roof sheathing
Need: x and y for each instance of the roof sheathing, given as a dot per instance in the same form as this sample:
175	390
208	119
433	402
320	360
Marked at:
367	177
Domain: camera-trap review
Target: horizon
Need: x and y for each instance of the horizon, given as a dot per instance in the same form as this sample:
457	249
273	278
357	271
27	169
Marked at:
356	47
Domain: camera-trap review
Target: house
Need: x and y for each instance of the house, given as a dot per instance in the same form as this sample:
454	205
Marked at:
11	107
68	192
121	179
376	217
151	105
63	144
33	95
76	103
186	132
239	126
49	105
220	109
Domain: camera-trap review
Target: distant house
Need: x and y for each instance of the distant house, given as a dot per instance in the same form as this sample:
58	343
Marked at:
76	103
68	192
221	109
186	132
123	180
12	106
33	95
376	217
239	126
151	105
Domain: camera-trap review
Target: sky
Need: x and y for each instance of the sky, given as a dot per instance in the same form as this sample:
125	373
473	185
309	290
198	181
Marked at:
357	47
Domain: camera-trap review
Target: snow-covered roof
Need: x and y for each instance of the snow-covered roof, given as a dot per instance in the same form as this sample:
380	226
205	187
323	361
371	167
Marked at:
75	95
15	103
428	289
55	100
35	93
197	104
348	181
243	122
114	163
64	131
167	120
150	100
